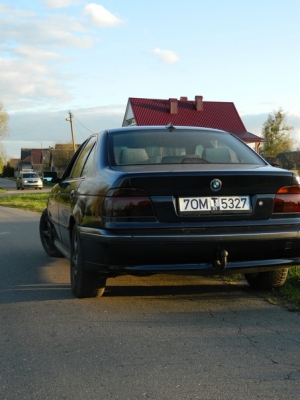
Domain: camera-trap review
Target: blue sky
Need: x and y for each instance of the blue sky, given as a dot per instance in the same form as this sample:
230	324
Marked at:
61	55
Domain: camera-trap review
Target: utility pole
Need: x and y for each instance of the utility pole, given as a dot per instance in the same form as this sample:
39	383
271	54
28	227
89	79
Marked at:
72	131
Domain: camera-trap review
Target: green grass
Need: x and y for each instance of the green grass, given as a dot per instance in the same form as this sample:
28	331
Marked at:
291	289
32	202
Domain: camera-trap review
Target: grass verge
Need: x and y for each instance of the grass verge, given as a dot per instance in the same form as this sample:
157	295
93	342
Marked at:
291	289
32	202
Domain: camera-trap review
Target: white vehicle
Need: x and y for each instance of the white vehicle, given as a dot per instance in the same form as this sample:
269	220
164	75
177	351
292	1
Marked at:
27	180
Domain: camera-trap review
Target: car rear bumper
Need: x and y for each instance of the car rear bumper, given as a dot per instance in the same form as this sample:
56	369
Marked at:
132	253
106	236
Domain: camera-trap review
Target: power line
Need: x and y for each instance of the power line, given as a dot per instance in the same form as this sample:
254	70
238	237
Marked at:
37	126
83	125
78	129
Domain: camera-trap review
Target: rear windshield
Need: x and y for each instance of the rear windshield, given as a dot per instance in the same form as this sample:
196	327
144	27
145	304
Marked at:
179	146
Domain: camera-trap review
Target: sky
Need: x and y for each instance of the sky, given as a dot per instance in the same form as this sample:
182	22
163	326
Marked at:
58	56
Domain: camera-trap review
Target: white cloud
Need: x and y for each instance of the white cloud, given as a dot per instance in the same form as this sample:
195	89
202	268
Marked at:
31	52
166	56
15	12
58	3
30	82
53	30
34	50
100	16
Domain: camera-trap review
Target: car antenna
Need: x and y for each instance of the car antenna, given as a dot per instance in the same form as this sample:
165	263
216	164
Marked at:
170	126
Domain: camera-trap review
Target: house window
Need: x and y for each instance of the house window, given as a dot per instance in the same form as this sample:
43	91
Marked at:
130	121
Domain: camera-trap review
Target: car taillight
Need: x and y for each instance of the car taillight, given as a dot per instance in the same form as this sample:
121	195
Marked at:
127	203
287	200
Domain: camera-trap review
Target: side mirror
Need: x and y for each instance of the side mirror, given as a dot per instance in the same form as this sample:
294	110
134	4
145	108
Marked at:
63	184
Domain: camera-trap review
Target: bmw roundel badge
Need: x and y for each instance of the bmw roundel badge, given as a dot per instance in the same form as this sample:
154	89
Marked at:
215	185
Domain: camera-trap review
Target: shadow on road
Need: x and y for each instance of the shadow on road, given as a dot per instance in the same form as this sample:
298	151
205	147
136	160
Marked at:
203	288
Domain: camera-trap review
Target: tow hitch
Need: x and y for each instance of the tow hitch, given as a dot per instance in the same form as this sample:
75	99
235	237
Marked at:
221	260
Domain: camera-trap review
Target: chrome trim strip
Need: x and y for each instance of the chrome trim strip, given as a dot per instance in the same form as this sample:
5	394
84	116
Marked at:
239	265
108	237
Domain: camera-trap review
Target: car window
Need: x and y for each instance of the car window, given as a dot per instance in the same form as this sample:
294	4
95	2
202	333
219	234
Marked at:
80	161
30	175
88	162
177	146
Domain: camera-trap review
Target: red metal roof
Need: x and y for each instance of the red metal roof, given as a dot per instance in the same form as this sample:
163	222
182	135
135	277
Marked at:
26	160
36	156
214	114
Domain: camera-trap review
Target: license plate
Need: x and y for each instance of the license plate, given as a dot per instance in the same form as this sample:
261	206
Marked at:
214	204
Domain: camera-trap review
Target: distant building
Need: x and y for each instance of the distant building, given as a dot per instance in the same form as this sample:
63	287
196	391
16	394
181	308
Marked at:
40	160
14	162
34	159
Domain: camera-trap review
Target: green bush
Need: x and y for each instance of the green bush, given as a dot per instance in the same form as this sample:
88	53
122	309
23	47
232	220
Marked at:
8	171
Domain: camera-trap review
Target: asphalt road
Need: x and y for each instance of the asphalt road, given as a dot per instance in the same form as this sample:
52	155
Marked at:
153	338
7	184
11	188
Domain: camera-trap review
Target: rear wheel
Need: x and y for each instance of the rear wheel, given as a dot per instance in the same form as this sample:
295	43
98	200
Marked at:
83	283
47	235
267	280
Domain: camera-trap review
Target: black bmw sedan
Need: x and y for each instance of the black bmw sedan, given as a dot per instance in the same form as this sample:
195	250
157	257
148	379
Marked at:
178	200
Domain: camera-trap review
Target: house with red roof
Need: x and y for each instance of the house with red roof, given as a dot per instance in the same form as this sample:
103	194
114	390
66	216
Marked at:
45	160
184	112
32	159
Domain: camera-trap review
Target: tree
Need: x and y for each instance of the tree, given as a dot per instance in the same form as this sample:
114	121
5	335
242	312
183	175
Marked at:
3	157
277	135
61	155
8	170
4	117
289	160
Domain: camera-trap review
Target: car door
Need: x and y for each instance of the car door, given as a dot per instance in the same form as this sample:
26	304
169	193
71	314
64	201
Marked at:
68	190
52	206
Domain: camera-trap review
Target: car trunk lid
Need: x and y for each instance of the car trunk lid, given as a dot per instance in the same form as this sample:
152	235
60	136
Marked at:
166	186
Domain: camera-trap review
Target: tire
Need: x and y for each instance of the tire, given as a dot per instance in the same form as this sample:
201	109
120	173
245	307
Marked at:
47	236
18	188
267	280
83	283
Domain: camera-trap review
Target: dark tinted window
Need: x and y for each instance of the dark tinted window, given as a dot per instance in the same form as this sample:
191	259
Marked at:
179	146
30	175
